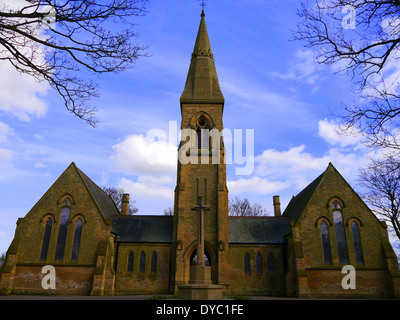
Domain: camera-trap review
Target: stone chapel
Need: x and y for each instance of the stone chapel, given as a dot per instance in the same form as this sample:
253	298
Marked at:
98	250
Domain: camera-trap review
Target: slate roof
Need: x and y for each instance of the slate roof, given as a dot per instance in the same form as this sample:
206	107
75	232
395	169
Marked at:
260	230
298	203
104	202
143	229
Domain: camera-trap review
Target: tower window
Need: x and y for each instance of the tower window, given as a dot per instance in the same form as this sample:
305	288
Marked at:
202	134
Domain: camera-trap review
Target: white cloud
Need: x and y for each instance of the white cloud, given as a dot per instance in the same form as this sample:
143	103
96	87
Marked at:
149	187
304	67
330	132
39	165
5	131
256	185
140	156
20	93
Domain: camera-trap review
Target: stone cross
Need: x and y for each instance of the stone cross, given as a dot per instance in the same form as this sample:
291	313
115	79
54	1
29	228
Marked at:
200	230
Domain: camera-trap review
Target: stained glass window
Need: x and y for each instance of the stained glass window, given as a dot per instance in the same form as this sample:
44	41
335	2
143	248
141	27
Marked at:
142	262
357	243
154	262
270	263
130	262
247	266
325	243
340	237
259	263
62	233
46	239
77	240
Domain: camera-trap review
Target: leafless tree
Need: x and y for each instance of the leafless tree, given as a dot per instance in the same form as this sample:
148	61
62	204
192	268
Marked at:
242	208
381	179
67	42
2	260
116	195
169	211
361	38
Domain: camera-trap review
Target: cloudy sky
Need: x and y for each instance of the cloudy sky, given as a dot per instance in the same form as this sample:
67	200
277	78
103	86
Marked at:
272	85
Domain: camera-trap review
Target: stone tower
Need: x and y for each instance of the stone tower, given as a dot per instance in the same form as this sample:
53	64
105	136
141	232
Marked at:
201	168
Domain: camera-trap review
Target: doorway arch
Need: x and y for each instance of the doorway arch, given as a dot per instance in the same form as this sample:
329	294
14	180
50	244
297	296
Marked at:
211	260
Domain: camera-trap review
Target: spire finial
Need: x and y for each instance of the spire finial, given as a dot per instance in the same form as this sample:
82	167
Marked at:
203	5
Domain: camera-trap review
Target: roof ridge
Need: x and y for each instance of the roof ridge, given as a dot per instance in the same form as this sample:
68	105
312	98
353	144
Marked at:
85	179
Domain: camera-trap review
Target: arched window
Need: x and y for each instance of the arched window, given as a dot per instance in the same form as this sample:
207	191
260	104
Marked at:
326	246
340	233
270	263
130	262
259	263
142	262
77	239
202	134
46	239
247	266
63	229
154	262
357	243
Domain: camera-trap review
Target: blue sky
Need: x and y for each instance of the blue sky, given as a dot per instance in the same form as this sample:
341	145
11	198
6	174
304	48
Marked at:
271	84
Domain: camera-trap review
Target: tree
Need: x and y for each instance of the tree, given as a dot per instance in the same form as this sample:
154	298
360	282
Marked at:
242	208
169	211
382	182
361	37
58	41
2	260
116	195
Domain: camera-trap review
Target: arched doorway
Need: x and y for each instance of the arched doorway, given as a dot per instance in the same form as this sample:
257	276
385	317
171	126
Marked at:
209	258
193	258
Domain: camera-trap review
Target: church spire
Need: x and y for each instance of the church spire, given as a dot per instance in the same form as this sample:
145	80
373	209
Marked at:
202	85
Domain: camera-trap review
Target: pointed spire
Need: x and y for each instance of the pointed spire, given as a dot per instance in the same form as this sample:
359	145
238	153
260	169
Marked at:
202	83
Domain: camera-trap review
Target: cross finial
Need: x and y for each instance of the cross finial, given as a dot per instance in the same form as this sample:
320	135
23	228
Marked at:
203	5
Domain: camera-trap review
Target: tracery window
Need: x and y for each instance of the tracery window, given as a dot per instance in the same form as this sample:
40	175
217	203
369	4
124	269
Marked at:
63	229
46	239
202	134
340	233
355	230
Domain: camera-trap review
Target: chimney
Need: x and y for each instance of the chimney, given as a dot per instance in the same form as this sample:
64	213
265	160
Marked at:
277	206
125	204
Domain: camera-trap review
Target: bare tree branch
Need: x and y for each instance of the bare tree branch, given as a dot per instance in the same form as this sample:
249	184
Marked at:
369	53
382	182
57	41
